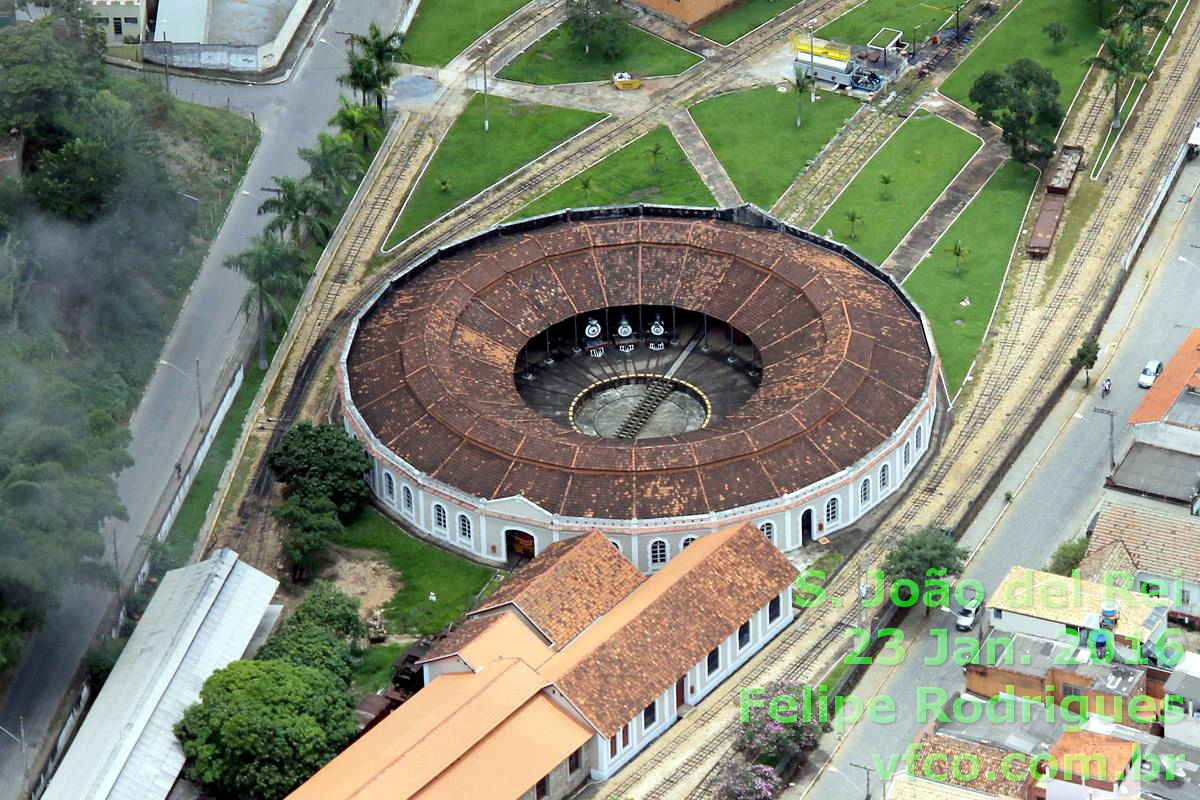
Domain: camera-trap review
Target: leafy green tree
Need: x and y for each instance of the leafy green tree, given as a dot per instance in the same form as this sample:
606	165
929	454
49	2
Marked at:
926	558
306	644
331	608
100	660
77	181
312	524
1085	358
1023	101
1141	15
596	24
300	210
360	123
322	461
334	164
272	266
43	74
854	218
1068	555
1123	57
1056	31
262	728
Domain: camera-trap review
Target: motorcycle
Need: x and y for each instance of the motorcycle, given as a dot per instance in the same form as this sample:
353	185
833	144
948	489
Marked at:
1106	387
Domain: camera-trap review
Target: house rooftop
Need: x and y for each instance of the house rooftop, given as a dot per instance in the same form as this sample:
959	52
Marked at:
1178	771
1037	656
1175	395
1031	731
1185	678
1076	602
990	778
1092	756
1160	540
907	787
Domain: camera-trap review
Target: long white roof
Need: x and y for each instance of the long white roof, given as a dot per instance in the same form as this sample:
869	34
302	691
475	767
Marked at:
200	619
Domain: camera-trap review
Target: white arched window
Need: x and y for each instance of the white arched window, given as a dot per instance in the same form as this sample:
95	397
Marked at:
686	542
864	491
389	486
883	477
920	438
907	455
768	530
831	510
658	553
616	544
406	494
464	527
439	516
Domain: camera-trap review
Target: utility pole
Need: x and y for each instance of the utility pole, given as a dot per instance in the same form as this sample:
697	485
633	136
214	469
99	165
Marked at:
868	771
116	566
21	741
957	30
1112	454
812	67
167	60
487	48
199	397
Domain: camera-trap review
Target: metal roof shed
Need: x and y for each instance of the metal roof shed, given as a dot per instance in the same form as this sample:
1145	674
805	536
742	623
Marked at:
200	619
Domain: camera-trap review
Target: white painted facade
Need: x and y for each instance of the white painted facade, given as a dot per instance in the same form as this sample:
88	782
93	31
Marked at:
478	526
120	18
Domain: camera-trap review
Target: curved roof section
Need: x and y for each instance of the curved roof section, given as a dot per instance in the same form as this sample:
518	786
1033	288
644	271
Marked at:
845	360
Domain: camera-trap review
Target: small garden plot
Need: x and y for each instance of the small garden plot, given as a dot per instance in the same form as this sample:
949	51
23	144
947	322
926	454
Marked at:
754	135
898	185
650	169
865	20
984	232
1020	35
469	159
556	59
743	18
442	29
422	569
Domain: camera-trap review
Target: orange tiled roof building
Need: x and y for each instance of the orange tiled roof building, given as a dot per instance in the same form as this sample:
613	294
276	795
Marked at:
530	696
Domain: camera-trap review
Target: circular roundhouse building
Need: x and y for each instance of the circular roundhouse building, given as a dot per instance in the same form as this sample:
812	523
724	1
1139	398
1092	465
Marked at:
657	373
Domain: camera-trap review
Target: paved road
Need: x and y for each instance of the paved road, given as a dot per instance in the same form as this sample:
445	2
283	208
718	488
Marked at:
1057	482
290	115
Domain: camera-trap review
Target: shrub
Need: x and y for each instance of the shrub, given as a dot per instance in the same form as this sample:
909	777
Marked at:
100	660
762	737
740	781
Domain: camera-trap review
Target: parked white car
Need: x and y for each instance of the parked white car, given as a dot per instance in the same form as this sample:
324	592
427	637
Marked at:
1151	371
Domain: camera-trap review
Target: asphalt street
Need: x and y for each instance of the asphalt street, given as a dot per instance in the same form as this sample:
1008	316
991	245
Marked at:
1056	484
290	114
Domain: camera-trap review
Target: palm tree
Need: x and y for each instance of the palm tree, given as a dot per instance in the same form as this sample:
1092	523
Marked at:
1142	14
656	152
1123	56
803	82
360	75
886	180
960	253
335	163
272	266
585	186
854	217
359	122
300	209
383	53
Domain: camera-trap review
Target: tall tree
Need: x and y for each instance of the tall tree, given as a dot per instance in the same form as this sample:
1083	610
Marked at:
595	24
1123	57
300	210
803	83
383	52
1141	15
361	123
272	266
359	75
1023	101
322	461
926	558
1085	358
335	164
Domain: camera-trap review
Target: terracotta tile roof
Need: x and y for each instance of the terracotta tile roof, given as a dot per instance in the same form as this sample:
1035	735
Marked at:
1058	598
482	640
668	624
1102	561
991	778
1158	540
1095	755
1182	371
569	585
430	368
906	787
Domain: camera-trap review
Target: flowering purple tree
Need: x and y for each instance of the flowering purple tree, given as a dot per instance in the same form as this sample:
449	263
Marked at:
769	737
741	781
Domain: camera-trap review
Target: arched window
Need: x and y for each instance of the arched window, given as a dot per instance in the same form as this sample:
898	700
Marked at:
768	530
658	553
907	455
864	491
883	477
464	527
616	544
686	542
439	516
389	486
406	493
831	510
920	438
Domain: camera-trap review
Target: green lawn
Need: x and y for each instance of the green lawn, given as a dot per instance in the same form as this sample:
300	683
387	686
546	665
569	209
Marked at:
987	228
374	669
554	59
444	28
1020	36
864	21
743	18
472	160
780	151
422	569
627	176
922	157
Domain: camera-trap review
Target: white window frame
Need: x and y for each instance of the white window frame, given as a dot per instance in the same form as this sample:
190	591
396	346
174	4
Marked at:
406	499
389	487
440	518
907	455
656	563
884	476
768	530
832	510
464	521
685	542
920	438
864	491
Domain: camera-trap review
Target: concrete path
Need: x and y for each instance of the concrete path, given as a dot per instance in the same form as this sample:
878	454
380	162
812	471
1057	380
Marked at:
981	167
675	34
695	146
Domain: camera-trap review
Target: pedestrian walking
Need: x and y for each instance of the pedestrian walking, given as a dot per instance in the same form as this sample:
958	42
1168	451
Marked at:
178	470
